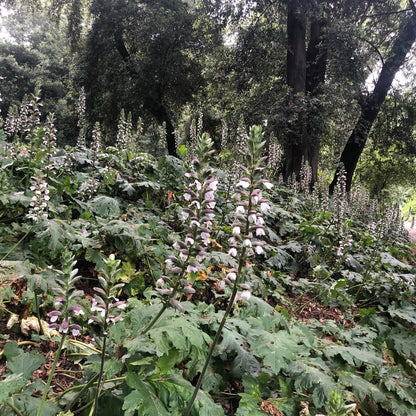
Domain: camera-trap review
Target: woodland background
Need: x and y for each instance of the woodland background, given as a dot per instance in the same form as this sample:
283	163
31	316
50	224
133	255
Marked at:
159	256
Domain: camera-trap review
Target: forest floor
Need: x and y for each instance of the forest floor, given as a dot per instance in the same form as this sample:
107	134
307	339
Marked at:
305	307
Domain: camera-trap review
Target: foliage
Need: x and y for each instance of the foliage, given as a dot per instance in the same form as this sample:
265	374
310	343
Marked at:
346	261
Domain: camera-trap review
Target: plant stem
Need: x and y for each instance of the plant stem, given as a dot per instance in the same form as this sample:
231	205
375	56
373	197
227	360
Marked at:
7	254
38	314
94	409
154	320
15	409
48	383
218	333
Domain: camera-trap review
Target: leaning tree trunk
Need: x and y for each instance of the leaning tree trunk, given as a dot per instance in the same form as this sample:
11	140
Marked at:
296	79
371	106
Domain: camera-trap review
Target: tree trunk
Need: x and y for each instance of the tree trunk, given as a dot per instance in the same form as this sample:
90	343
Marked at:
316	60
162	116
305	73
296	79
371	106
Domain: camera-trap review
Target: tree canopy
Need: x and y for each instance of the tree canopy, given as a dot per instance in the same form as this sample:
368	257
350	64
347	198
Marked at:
317	73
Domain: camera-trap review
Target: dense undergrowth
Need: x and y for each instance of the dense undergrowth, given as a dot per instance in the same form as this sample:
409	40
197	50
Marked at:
114	224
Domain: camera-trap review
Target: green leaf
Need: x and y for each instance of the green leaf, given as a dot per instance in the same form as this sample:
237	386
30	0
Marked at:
143	399
388	259
104	206
57	235
11	350
167	362
361	388
10	385
29	406
248	405
310	378
402	340
25	363
276	349
406	312
244	362
353	355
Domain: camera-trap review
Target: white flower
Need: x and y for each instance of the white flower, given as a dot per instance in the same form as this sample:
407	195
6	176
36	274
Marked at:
198	185
236	230
245	294
189	241
232	276
198	205
209	196
205	236
260	220
264	206
212	185
259	250
244	183
252	218
192	269
240	209
160	282
260	232
75	332
187	196
232	252
247	243
194	223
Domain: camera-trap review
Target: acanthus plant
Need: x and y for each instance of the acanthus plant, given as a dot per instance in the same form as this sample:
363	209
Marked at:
198	218
67	310
106	310
248	229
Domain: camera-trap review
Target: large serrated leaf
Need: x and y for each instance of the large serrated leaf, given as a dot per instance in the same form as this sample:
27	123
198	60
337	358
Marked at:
353	355
11	384
143	399
248	405
25	363
310	378
105	206
234	343
407	313
361	388
276	349
402	341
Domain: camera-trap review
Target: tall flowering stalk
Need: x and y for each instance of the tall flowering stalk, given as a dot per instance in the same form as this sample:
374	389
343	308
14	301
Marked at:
106	310
198	218
67	308
48	145
248	228
39	203
82	118
25	121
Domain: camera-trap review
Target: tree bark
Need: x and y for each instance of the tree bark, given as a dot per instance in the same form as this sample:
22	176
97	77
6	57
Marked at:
371	106
296	79
316	63
305	73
